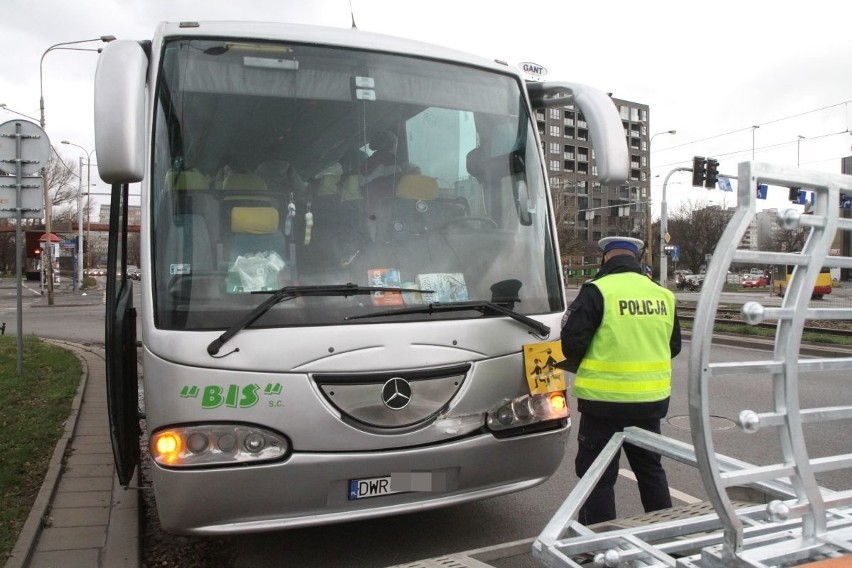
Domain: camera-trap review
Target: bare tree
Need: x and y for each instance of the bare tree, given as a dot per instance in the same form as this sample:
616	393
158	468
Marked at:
572	242
63	185
697	227
787	241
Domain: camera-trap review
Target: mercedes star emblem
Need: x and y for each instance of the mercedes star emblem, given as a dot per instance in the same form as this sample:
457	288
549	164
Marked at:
396	393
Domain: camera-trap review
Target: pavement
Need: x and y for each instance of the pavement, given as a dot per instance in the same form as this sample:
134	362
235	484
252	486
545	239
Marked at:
82	517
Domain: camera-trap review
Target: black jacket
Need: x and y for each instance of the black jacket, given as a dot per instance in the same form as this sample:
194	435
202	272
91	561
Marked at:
581	322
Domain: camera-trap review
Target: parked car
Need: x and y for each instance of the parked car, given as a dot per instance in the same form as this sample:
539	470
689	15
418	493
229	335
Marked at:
755	281
134	273
690	282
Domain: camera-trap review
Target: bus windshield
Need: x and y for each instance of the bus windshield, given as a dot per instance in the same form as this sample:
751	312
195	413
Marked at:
277	165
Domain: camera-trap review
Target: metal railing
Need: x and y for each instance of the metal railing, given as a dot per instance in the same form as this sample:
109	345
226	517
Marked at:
802	520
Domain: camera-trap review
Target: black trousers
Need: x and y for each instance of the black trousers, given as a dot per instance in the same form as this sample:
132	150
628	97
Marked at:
594	434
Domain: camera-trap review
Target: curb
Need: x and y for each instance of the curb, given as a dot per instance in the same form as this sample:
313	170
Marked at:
70	300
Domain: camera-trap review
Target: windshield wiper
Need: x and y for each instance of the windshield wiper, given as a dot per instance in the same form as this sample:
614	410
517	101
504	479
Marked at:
480	306
290	292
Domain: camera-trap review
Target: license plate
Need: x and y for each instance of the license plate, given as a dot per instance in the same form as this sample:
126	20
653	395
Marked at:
370	487
400	482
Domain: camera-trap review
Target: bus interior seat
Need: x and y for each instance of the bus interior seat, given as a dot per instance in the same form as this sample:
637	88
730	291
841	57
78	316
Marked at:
255	230
242	190
415	186
190	179
235	184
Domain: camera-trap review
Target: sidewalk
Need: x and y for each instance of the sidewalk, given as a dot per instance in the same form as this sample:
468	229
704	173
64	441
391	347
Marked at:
82	517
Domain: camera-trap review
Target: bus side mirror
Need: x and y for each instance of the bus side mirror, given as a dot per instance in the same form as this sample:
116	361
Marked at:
120	112
611	154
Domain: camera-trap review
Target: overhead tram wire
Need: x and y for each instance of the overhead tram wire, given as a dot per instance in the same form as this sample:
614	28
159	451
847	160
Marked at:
748	151
747	128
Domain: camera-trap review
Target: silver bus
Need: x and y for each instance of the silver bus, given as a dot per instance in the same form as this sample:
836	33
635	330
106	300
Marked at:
351	289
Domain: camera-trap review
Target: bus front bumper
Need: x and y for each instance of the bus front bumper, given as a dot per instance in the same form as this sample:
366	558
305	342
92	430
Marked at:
314	488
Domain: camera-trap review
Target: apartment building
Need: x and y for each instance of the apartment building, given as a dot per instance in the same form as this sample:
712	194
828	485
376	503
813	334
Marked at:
590	210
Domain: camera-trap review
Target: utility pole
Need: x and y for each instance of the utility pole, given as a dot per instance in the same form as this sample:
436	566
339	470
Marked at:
649	230
47	204
664	228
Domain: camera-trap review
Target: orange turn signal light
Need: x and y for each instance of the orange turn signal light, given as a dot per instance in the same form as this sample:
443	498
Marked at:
557	401
167	446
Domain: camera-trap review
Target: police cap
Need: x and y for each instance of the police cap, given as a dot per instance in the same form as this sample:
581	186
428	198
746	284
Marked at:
628	243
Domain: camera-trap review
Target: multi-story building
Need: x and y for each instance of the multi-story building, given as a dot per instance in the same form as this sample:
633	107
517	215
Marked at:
590	210
766	228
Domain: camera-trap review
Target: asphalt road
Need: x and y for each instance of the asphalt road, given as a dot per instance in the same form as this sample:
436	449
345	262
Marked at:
73	317
416	536
412	537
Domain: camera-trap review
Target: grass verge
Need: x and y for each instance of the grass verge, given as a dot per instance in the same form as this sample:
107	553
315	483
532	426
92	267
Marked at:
33	411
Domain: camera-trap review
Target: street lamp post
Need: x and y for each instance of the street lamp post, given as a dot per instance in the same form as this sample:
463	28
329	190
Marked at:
7	109
649	233
80	207
664	228
798	144
753	128
47	260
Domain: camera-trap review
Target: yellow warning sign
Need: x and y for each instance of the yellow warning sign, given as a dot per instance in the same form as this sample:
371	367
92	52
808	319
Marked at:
540	361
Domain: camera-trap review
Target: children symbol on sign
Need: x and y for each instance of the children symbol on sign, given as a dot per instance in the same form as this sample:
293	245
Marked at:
536	372
544	375
550	364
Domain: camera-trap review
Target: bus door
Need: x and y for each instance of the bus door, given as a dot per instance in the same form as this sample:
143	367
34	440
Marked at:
120	337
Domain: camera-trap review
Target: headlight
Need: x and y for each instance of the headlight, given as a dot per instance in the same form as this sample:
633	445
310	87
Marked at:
216	444
529	409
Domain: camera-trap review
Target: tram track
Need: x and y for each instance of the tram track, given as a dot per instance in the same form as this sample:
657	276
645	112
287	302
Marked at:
835	328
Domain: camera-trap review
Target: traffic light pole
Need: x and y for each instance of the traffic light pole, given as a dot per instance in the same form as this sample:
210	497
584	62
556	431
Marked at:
664	229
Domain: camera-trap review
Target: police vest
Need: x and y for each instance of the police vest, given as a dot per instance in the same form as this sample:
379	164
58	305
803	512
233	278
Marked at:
629	358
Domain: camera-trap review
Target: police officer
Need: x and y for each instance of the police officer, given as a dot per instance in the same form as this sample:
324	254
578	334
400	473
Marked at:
619	336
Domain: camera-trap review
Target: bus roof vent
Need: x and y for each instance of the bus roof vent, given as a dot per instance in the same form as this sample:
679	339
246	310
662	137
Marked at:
188	25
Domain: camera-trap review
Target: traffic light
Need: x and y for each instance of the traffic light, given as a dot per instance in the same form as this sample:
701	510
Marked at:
37	252
699	170
712	173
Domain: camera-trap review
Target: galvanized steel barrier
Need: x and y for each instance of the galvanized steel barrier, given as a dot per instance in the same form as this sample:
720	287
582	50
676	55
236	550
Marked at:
803	521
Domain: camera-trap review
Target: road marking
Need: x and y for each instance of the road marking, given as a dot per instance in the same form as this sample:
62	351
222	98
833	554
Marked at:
36	292
679	495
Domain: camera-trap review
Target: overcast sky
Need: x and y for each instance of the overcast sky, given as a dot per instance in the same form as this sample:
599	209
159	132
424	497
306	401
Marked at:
710	70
